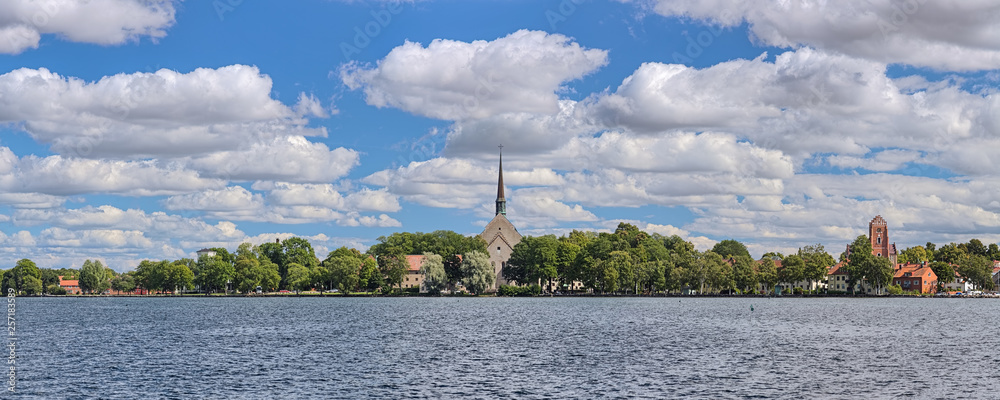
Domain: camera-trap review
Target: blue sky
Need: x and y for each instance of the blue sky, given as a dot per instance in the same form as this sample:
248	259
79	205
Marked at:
135	129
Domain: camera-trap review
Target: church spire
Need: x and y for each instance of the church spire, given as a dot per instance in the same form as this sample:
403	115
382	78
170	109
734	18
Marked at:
501	201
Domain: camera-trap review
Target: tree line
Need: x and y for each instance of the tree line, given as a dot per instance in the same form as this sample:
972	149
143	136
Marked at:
631	261
627	261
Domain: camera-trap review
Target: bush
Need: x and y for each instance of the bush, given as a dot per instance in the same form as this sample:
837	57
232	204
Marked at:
411	290
797	290
509	290
895	290
56	290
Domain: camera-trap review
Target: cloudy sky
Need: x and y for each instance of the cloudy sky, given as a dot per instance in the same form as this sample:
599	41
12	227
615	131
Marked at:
134	129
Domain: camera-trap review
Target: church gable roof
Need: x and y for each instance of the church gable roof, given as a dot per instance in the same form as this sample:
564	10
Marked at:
501	226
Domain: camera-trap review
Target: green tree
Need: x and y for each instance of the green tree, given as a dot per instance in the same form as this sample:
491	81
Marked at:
49	277
177	276
913	255
369	277
768	274
951	254
394	268
298	277
343	267
124	283
94	277
978	270
532	260
217	273
945	273
975	247
435	278
17	278
745	276
477	273
793	269
32	286
866	267
817	263
730	248
296	250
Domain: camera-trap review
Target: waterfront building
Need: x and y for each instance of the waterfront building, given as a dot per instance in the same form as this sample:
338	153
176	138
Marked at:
500	234
959	284
72	286
916	277
413	277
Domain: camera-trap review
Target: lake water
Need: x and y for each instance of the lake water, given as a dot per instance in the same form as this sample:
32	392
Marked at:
507	348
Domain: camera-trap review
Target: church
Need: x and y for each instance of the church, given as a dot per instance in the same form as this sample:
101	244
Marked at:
500	235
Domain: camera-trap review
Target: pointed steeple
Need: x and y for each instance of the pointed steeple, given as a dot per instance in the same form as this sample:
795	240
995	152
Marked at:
501	201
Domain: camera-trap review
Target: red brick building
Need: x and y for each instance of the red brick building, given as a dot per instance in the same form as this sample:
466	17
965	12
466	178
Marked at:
878	233
71	286
915	278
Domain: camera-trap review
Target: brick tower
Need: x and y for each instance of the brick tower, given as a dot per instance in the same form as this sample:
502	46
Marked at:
878	233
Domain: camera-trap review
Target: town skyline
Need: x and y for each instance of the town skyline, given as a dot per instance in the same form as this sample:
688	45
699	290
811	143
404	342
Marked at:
171	127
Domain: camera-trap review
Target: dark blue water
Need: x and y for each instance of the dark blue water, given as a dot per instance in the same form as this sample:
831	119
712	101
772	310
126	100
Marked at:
506	348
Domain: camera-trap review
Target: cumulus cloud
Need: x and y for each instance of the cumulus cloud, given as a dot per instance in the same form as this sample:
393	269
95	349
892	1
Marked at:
956	36
807	102
456	80
162	113
60	176
106	22
291	158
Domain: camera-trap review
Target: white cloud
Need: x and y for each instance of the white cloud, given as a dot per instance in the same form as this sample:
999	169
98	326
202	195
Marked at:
230	199
455	80
139	115
955	36
808	102
106	22
57	175
289	159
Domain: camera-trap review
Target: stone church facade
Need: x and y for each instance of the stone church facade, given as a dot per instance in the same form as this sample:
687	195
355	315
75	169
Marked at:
500	235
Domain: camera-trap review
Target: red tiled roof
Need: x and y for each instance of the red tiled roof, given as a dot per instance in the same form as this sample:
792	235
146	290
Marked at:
838	269
915	270
414	261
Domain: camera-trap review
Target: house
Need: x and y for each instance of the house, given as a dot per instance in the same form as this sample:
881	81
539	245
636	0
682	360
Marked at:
71	286
959	284
837	276
915	277
205	253
413	277
996	274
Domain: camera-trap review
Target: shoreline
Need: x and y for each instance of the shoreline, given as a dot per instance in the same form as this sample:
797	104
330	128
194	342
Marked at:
587	295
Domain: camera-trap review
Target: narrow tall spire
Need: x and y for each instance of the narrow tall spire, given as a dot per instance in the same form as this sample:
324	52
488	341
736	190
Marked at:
501	201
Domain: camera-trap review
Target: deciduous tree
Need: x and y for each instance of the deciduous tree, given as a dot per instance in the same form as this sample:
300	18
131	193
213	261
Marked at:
477	273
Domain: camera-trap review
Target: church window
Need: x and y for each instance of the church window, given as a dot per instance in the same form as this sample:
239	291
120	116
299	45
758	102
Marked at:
879	254
879	240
